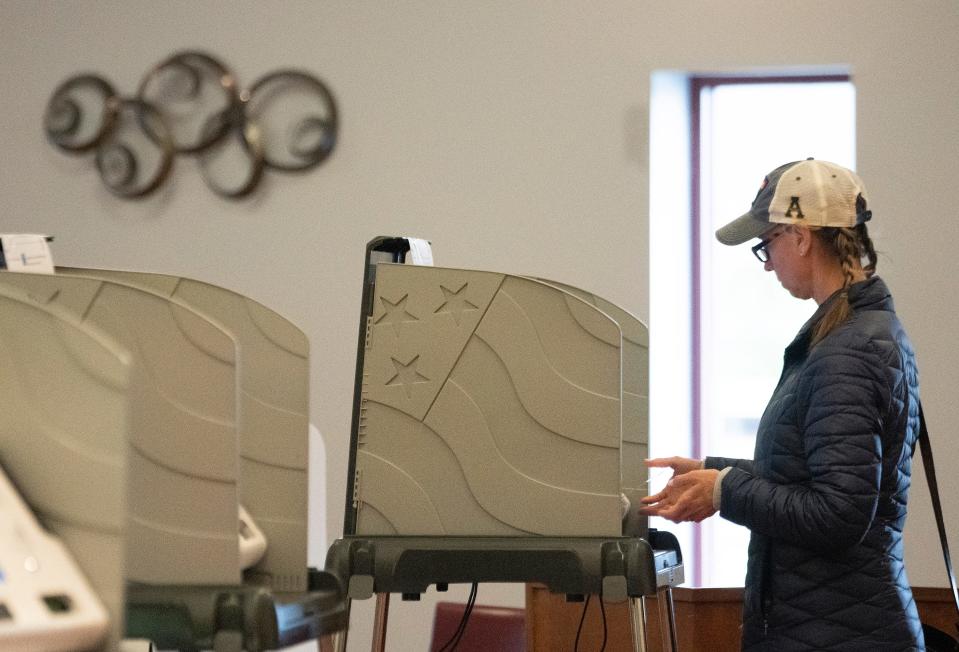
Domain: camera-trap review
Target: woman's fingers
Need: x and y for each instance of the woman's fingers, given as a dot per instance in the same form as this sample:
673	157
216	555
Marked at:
686	497
679	465
654	498
659	462
652	510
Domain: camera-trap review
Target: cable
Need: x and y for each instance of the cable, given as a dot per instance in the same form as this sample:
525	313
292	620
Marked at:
582	619
602	609
579	630
461	629
470	603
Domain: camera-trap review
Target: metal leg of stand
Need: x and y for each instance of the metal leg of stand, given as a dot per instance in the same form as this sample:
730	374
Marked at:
637	618
339	638
326	643
667	619
379	623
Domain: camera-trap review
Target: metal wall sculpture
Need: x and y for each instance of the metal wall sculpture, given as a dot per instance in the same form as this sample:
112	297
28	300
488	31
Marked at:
191	104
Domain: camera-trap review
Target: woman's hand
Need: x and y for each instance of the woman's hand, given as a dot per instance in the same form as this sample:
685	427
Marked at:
687	496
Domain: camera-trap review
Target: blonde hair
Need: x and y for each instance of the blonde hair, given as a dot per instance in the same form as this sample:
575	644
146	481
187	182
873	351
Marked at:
850	246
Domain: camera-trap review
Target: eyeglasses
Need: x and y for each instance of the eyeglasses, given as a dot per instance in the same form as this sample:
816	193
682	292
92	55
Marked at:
761	250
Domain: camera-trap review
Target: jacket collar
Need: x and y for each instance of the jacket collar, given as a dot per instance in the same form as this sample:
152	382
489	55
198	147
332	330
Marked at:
871	294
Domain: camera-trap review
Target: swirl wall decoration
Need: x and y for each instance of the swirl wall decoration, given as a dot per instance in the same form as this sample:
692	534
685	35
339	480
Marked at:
190	104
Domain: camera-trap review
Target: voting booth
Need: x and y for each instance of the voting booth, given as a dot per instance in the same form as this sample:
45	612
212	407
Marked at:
499	421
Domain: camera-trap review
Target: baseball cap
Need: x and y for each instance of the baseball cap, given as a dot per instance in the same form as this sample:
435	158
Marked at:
810	193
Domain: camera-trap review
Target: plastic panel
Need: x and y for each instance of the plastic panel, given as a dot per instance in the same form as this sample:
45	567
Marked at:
488	409
188	447
65	419
635	475
273	375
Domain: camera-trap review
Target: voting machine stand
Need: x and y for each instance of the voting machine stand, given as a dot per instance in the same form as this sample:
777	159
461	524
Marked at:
497	423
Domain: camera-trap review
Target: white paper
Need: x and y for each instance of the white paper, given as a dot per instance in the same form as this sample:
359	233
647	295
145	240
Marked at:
27	252
421	252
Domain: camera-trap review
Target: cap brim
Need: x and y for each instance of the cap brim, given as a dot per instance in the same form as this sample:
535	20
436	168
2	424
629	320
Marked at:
742	229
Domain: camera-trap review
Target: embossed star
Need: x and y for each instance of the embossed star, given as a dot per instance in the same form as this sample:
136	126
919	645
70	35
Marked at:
395	314
456	303
407	375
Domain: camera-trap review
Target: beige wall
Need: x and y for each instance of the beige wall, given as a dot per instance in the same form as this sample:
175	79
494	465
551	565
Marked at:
512	134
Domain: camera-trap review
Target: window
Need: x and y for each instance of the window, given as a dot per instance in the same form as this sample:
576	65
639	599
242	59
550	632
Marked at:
733	320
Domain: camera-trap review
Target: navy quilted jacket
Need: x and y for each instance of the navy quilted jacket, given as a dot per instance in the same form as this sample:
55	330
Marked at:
825	494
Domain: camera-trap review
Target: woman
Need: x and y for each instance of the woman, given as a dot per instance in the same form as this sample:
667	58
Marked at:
825	494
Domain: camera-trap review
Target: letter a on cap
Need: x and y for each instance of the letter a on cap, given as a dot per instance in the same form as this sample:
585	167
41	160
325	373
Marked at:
794	203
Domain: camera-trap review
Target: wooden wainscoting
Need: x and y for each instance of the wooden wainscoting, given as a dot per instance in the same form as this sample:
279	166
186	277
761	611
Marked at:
707	620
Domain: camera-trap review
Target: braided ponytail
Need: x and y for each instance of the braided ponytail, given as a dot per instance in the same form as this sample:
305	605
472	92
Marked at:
868	250
850	245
